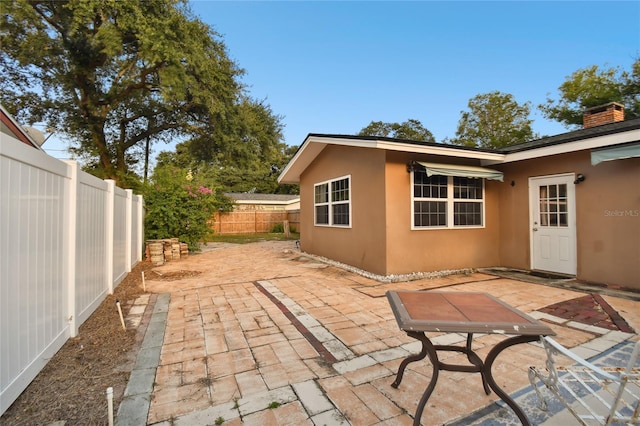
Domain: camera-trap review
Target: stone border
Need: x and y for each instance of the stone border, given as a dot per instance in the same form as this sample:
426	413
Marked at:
134	408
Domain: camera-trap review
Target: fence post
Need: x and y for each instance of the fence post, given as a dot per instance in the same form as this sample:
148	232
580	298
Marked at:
72	223
108	229
140	236
127	228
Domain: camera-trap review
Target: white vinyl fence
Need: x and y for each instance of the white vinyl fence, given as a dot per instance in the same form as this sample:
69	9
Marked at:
67	239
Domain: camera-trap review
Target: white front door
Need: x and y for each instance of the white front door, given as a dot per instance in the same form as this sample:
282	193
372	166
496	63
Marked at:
553	223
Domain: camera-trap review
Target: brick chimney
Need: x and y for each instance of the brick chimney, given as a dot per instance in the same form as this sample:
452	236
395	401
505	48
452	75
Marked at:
603	114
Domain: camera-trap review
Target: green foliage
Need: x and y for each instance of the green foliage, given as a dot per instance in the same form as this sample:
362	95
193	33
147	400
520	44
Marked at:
179	204
115	76
494	120
220	420
277	228
274	405
251	163
593	86
411	129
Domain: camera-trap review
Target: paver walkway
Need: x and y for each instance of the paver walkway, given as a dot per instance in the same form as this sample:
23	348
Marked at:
262	334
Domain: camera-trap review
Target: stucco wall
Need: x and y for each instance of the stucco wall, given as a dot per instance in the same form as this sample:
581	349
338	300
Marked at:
381	240
362	245
607	216
435	250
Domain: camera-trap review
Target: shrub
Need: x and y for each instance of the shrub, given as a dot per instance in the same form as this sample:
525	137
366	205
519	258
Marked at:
278	228
178	206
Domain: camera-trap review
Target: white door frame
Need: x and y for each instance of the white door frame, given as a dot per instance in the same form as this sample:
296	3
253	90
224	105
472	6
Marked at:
569	265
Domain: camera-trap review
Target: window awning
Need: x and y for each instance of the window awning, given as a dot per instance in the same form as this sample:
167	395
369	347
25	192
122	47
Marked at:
461	171
615	153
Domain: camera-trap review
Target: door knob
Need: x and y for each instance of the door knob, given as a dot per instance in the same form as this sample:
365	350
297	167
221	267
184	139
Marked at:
535	229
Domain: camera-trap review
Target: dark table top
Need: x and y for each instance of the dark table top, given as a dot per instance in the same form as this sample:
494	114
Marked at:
461	312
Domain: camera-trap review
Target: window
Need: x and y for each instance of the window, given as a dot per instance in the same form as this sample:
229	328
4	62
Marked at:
553	205
332	202
447	201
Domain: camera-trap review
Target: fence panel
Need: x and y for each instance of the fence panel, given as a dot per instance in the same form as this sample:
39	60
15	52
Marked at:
294	219
91	245
120	252
137	234
33	273
63	239
254	221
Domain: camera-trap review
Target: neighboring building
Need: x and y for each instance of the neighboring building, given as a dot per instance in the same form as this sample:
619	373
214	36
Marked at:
26	135
246	201
568	204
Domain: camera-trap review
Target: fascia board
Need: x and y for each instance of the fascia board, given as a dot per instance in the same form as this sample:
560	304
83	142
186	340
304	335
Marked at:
437	150
313	145
585	144
300	161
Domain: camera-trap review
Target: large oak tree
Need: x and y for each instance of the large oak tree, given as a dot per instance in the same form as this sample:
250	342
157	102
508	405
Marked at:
115	76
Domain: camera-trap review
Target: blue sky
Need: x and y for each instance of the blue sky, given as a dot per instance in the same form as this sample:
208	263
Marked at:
333	67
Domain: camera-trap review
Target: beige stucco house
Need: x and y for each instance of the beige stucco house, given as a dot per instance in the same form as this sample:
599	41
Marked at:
567	204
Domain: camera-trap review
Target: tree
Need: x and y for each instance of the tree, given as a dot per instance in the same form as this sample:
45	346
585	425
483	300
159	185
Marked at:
494	120
114	75
593	86
247	155
411	129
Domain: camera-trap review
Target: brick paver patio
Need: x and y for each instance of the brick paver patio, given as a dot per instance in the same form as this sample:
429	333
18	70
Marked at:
265	335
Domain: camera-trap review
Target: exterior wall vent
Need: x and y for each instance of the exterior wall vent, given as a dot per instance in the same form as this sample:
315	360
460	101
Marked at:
603	114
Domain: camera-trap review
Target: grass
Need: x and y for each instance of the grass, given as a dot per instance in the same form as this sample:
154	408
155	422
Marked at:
252	238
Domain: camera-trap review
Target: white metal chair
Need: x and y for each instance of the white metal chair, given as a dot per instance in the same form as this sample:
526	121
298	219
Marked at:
593	395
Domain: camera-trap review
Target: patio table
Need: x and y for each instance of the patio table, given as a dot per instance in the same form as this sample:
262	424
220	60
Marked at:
419	312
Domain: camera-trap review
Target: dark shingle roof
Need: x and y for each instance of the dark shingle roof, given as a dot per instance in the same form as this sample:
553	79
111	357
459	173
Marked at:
577	135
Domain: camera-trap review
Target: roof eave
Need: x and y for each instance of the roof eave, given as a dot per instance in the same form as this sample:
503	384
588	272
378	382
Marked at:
314	144
600	141
17	129
269	202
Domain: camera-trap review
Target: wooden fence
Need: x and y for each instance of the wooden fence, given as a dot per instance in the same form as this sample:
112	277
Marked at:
254	221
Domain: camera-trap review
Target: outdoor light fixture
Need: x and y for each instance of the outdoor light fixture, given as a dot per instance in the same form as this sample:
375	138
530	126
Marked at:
411	167
579	178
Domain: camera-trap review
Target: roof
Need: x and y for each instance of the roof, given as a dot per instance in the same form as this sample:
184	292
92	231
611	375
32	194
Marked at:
576	135
9	126
593	137
252	198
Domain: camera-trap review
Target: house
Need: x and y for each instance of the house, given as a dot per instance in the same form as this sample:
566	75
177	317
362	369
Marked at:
27	135
251	201
567	204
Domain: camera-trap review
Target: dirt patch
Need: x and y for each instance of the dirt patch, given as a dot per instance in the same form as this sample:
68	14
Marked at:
72	386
